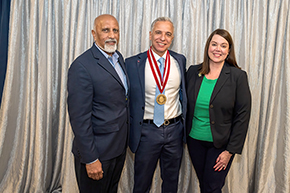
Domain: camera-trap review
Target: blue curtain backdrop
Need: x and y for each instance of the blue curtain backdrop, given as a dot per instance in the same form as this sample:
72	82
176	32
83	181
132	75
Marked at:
4	28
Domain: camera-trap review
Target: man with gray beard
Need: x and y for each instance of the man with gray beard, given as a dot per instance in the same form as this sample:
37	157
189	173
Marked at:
98	109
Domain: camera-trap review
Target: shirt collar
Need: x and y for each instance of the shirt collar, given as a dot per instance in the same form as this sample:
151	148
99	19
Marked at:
157	57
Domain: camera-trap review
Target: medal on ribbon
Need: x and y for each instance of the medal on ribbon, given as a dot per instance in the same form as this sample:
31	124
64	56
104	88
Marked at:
160	81
161	99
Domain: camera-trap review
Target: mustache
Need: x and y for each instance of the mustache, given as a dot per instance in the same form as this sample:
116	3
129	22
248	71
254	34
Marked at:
111	40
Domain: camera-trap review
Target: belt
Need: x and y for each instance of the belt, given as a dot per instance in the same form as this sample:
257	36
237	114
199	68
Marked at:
166	122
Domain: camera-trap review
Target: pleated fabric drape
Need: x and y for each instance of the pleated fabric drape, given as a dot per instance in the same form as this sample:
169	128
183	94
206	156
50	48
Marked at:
46	36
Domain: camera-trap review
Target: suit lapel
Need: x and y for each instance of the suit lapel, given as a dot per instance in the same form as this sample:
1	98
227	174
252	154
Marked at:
103	61
178	61
182	93
197	85
122	64
224	75
141	62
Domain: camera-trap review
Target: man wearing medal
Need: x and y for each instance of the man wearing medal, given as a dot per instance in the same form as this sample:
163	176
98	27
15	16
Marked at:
157	108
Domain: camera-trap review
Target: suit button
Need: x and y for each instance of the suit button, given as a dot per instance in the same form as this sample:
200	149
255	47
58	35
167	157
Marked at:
211	106
142	108
212	122
140	123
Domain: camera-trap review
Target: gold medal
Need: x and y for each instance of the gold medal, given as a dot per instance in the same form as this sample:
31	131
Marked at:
161	99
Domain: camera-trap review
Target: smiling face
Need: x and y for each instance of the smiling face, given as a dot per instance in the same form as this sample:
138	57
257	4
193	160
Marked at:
161	36
106	33
218	49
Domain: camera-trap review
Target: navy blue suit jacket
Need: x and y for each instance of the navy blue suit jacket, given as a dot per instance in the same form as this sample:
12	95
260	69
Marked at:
98	107
135	66
229	108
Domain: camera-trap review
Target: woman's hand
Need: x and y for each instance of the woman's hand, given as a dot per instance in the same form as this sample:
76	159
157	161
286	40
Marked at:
222	161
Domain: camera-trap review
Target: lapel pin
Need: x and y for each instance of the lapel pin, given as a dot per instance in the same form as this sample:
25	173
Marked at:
199	75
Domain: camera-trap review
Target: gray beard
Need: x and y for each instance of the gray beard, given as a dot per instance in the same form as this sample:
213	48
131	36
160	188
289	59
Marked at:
109	48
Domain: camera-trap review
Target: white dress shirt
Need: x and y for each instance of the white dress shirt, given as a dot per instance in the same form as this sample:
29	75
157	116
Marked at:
172	107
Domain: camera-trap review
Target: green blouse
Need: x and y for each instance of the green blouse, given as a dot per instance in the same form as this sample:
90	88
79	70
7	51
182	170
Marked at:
200	129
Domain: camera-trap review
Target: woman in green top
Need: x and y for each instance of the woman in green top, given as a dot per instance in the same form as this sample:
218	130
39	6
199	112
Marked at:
219	105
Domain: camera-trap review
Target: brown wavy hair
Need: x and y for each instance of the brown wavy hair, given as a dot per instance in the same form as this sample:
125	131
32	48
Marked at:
231	58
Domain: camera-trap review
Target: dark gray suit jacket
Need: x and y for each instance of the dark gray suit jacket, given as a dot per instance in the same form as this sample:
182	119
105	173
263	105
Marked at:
98	107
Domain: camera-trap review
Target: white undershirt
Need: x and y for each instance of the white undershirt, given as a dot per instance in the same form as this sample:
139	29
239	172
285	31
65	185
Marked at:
172	106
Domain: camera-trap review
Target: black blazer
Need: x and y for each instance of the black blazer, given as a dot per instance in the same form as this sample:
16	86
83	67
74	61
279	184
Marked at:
229	108
98	107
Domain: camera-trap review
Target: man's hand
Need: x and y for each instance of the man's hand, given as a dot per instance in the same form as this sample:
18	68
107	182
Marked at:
95	170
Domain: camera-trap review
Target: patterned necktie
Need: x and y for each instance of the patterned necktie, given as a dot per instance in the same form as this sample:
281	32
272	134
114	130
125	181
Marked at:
158	117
